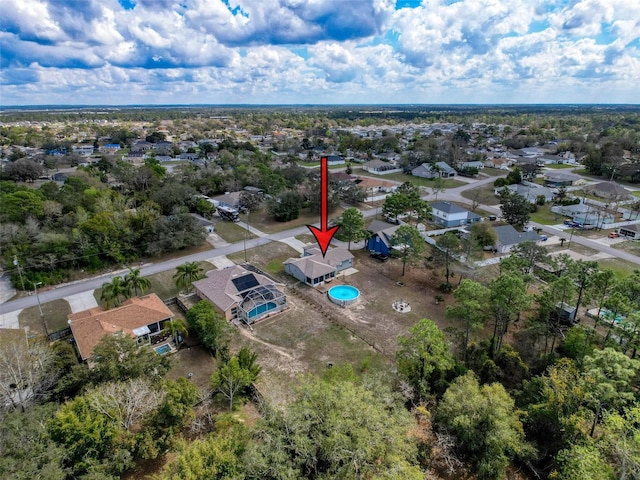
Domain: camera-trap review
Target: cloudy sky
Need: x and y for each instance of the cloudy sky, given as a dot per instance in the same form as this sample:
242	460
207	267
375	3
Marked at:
117	52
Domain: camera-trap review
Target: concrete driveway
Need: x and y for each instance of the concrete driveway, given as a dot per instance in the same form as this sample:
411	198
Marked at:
82	301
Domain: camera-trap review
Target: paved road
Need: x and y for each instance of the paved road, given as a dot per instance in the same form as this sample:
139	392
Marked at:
452	194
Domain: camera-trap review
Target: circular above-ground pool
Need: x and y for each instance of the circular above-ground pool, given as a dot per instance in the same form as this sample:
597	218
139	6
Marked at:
343	295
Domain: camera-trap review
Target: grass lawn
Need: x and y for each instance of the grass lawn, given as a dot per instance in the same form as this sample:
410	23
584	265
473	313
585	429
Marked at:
635	193
421	182
232	232
494	172
55	315
306	238
545	216
621	268
268	257
162	284
483	194
628	246
559	166
262	221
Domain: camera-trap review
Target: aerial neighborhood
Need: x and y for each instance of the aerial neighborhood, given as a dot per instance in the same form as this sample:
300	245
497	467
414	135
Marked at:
166	307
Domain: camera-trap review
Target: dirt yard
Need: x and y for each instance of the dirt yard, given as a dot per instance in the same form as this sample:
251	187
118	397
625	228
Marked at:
315	332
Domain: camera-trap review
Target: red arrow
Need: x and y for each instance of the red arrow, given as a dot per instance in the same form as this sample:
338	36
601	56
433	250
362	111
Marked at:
324	234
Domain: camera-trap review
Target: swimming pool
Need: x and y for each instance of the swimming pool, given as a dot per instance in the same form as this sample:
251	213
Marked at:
163	349
343	294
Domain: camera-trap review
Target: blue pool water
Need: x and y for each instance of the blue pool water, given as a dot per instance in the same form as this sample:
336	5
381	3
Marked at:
343	294
260	309
162	349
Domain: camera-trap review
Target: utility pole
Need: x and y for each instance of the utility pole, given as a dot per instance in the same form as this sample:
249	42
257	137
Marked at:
17	264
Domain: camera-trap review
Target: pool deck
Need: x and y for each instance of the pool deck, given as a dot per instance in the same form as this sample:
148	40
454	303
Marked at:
168	344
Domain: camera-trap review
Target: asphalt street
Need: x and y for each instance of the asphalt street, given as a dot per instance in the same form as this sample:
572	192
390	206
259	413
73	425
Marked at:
452	194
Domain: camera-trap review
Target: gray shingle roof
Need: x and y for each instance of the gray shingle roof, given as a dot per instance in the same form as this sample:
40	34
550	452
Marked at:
448	207
507	235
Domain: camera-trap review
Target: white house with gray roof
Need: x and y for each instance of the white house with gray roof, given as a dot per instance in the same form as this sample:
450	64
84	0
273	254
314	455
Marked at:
313	269
449	214
507	237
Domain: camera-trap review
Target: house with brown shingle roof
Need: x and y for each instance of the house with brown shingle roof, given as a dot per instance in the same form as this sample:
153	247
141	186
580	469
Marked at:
140	317
314	269
241	294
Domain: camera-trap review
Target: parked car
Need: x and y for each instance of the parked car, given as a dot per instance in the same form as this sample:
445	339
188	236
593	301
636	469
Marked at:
492	218
614	235
544	238
379	256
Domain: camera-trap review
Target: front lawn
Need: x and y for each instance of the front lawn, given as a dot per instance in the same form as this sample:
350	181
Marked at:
54	313
162	284
268	257
545	216
231	232
403	177
559	166
261	220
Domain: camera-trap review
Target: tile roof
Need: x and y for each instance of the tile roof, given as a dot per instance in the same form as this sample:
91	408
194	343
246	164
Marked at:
219	288
89	326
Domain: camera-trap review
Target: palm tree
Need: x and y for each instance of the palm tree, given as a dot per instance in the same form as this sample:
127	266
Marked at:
186	274
111	292
134	280
177	328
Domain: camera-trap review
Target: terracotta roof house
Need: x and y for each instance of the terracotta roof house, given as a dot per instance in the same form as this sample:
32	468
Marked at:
242	294
313	269
451	215
140	317
380	241
508	237
610	190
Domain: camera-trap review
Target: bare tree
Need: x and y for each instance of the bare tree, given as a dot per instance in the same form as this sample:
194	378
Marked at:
26	369
126	402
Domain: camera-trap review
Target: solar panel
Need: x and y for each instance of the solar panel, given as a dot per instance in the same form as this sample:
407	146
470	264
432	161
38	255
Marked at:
245	282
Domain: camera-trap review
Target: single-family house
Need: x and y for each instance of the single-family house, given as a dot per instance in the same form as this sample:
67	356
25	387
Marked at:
498	162
229	199
608	190
110	148
451	215
551	159
238	293
314	269
507	237
529	192
446	170
558	179
379	242
142	146
84	149
630	231
378	167
335	160
426	170
204	223
142	318
475	164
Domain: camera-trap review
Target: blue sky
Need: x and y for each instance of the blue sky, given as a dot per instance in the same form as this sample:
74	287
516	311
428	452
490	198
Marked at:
318	51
